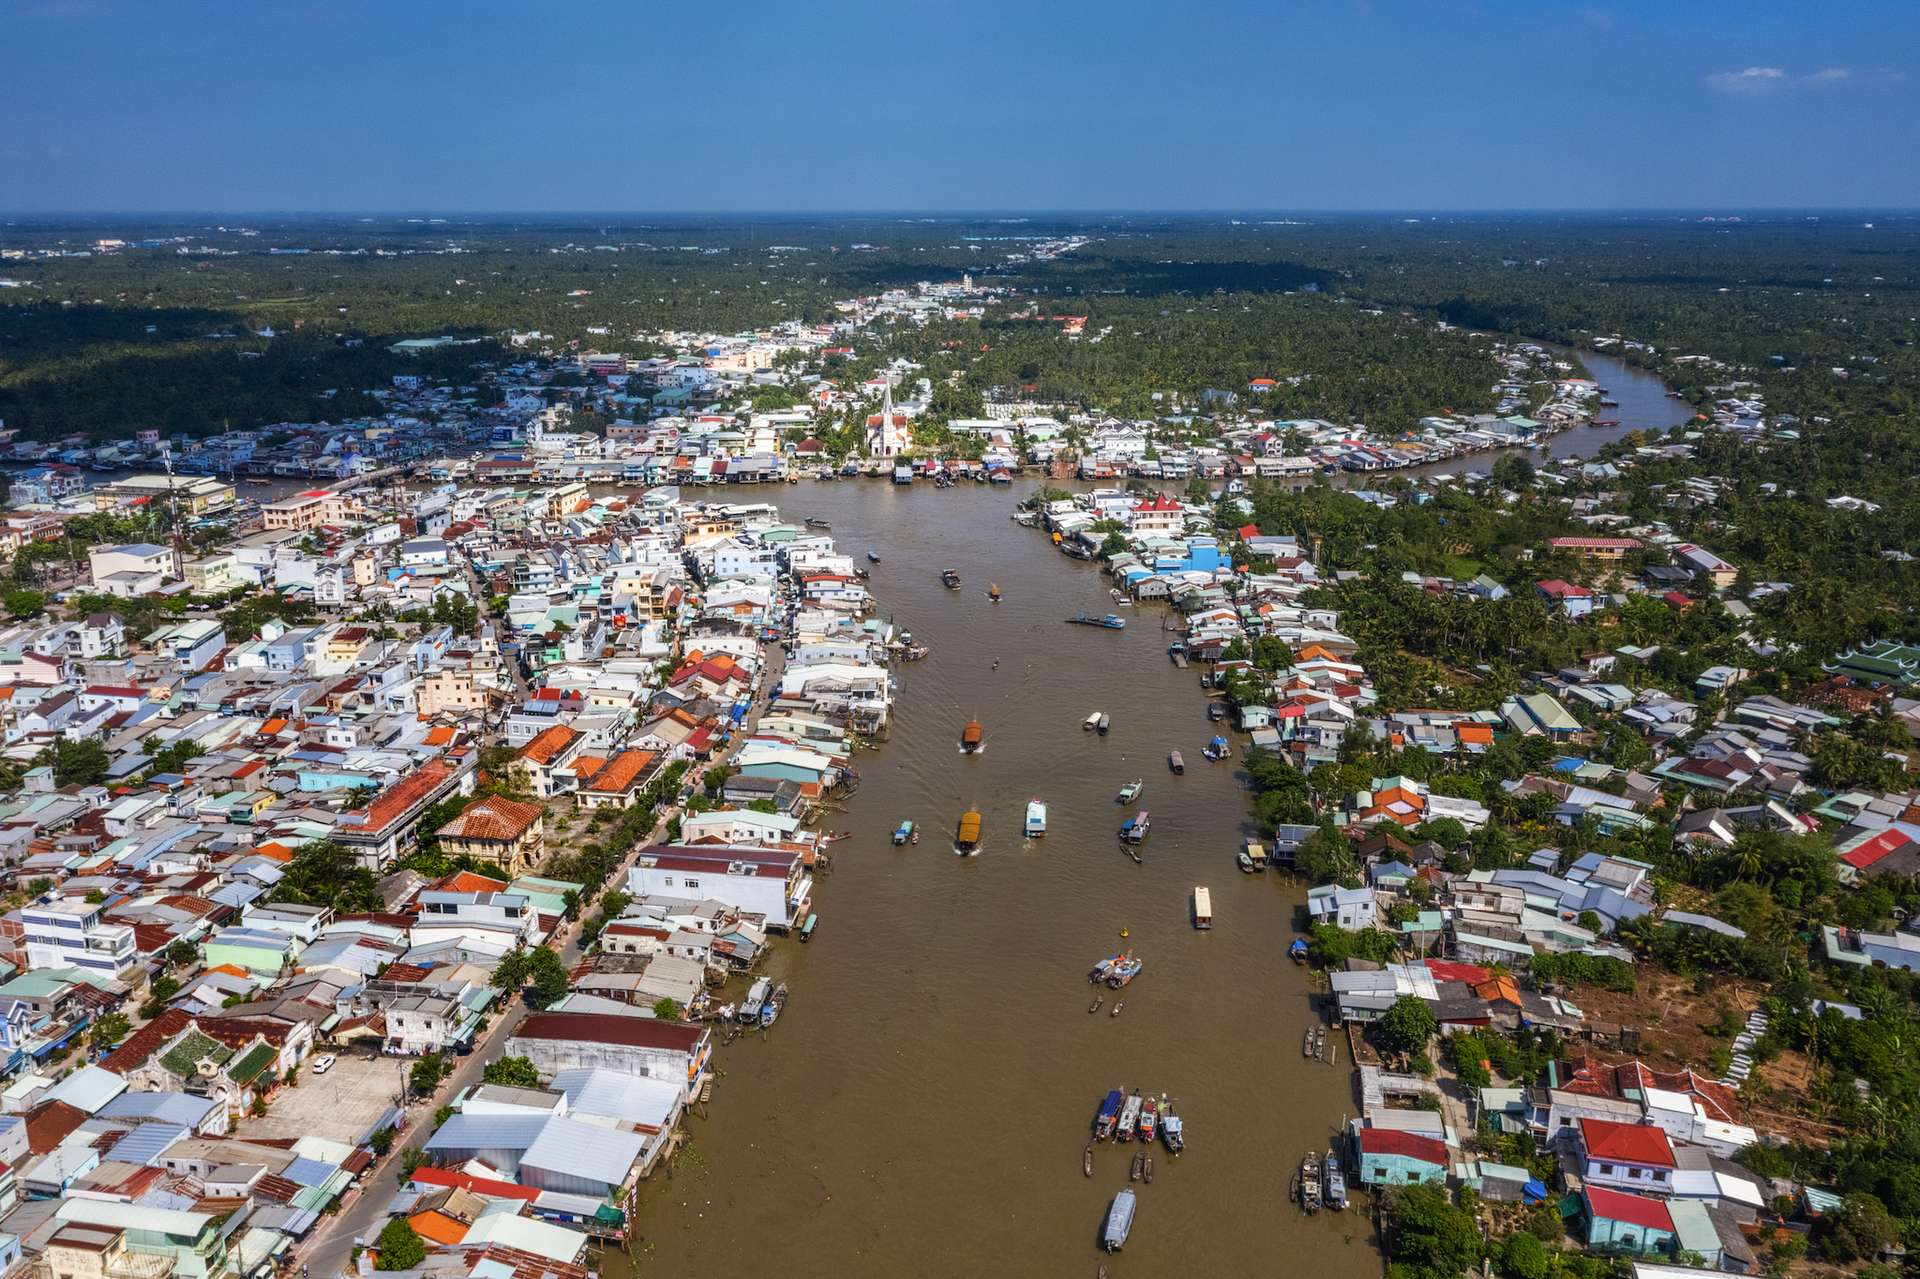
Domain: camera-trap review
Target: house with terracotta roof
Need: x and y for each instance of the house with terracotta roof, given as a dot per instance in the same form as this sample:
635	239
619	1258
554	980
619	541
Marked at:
619	782
542	759
377	832
508	833
1595	548
1159	514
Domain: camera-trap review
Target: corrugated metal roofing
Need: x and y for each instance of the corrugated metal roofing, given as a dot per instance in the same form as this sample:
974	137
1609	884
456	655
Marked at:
146	1143
587	1151
487	1132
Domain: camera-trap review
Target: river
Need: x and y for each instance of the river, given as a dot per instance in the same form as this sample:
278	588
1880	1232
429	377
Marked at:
922	1107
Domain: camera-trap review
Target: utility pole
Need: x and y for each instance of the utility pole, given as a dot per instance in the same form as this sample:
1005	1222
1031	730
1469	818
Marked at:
173	509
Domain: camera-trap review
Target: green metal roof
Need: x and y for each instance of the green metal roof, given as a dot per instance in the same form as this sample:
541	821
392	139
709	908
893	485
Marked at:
248	1068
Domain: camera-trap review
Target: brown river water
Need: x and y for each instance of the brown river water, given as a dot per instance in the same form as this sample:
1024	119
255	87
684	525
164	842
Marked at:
922	1106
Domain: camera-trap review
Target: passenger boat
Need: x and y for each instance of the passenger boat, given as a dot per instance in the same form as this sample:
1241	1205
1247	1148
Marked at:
872	558
1335	1189
1149	1120
1310	1182
1119	1221
1124	970
950	579
1112	621
1139	1165
1108	1115
993	592
1086	1162
1217	749
1202	908
1036	819
756	1000
1174	762
1106	966
970	736
1298	951
1135	828
903	833
1104	724
770	1011
1129	1118
966	836
1091	722
806	929
1131	791
1173	1133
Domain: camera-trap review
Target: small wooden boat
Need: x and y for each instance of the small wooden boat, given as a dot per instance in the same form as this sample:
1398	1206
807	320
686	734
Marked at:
1147	1174
1174	762
1298	951
993	592
1091	722
1097	1001
814	521
1086	1162
1139	1165
971	737
1104	724
1130	792
1246	862
950	580
872	558
1117	1007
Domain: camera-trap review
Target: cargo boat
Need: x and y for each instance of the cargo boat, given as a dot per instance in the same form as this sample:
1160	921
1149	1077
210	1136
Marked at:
1174	762
1036	819
1202	908
1135	828
1129	1118
1130	792
1119	1221
1112	621
950	579
1108	1115
970	736
966	836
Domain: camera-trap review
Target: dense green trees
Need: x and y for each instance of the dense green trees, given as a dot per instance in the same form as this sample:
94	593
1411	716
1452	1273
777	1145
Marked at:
325	873
513	1072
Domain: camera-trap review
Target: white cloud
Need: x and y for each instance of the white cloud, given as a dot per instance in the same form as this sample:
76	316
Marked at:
1752	80
1830	75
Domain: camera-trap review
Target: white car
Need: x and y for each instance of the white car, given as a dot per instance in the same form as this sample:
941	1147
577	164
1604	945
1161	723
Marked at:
321	1065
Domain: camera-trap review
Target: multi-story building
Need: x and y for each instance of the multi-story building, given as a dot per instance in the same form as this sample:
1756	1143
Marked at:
74	934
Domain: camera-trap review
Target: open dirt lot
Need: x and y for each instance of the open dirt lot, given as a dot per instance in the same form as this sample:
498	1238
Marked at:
340	1105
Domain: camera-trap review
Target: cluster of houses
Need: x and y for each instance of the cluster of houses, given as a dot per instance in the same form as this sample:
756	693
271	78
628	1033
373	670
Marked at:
245	1095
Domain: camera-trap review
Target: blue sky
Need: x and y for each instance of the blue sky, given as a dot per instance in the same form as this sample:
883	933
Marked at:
418	105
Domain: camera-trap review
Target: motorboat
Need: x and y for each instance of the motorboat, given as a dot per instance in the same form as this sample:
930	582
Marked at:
1217	749
971	736
950	579
1108	1115
1174	762
1135	828
1129	1118
903	833
770	1011
966	836
1246	862
1298	951
872	557
1119	1221
1202	908
1106	966
1173	1132
1131	791
993	592
1149	1120
755	1001
1124	970
1036	819
1104	724
1334	1190
1091	722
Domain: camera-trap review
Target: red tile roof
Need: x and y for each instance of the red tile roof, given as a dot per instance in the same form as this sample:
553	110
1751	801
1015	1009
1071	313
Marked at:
1627	1143
495	818
1411	1145
394	802
548	744
146	1041
1633	1210
619	776
612	1028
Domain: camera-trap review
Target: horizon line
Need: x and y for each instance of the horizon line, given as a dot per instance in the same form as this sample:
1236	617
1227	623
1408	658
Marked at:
958	213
